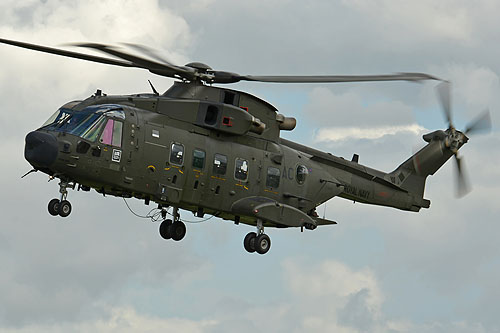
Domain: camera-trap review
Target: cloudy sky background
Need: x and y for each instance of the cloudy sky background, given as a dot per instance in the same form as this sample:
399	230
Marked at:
379	270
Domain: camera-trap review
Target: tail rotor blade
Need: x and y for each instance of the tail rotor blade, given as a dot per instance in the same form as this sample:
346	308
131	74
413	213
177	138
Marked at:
443	91
463	186
481	124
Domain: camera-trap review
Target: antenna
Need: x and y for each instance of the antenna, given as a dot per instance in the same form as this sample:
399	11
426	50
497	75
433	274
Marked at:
152	87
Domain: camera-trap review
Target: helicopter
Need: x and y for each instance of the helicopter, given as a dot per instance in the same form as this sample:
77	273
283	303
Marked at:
217	151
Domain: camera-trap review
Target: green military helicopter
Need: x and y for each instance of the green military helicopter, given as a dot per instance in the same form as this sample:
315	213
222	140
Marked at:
217	151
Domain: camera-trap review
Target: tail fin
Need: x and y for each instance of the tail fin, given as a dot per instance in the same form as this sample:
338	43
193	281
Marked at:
412	174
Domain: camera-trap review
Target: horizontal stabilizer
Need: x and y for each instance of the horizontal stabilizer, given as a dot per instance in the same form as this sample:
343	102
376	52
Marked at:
320	221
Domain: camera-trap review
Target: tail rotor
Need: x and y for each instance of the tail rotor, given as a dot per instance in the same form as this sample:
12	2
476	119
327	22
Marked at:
454	139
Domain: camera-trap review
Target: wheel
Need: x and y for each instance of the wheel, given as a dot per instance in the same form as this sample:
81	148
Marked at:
249	242
178	230
165	229
262	244
54	207
64	208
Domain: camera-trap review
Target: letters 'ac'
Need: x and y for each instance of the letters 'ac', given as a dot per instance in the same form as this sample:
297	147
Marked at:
212	150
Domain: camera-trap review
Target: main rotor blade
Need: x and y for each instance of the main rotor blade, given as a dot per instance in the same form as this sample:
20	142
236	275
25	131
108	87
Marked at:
481	124
443	91
463	186
337	78
65	53
149	52
164	69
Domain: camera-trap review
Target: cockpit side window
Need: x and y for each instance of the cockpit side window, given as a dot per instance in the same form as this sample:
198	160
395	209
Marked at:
93	131
112	133
117	134
107	134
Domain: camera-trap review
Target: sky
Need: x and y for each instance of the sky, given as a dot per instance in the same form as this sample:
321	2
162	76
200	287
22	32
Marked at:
378	270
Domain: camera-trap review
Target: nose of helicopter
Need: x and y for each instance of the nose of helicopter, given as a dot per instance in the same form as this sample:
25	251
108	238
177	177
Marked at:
40	149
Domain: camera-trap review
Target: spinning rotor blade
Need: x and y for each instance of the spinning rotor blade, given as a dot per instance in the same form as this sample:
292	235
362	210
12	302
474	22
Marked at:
67	53
463	186
481	124
338	78
443	91
164	69
149	52
202	72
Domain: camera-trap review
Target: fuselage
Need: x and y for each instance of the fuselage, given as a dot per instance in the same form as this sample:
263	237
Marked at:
206	156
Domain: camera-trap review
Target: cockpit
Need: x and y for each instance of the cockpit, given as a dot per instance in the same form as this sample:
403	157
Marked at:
91	123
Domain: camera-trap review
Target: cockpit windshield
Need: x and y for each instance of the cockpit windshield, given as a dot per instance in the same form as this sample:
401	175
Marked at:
86	123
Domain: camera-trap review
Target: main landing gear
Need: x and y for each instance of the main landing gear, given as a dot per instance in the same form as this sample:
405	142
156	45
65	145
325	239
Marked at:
257	241
169	229
61	207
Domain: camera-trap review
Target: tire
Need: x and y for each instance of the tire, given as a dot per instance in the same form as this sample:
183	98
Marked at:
54	207
178	230
249	242
262	244
64	208
165	229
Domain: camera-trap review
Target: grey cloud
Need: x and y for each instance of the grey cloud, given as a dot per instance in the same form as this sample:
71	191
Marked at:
356	313
61	273
327	108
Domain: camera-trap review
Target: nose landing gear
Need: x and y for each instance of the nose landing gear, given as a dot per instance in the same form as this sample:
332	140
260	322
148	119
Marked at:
61	207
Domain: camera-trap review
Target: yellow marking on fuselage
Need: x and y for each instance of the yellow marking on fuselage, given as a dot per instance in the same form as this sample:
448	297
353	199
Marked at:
241	185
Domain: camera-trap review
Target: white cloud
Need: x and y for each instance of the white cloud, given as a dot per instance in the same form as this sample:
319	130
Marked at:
334	296
44	82
122	319
357	133
351	109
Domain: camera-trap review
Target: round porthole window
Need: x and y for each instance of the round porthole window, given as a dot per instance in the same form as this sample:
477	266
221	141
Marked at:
301	174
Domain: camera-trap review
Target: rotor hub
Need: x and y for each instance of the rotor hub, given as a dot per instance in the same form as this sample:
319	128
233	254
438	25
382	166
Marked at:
201	67
455	140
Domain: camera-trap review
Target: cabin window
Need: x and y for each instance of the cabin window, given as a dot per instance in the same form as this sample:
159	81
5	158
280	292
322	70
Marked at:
198	159
220	164
273	177
241	169
176	154
301	174
112	133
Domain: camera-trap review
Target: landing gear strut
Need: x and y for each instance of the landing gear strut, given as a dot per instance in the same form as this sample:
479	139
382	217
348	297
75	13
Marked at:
257	241
169	229
61	207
